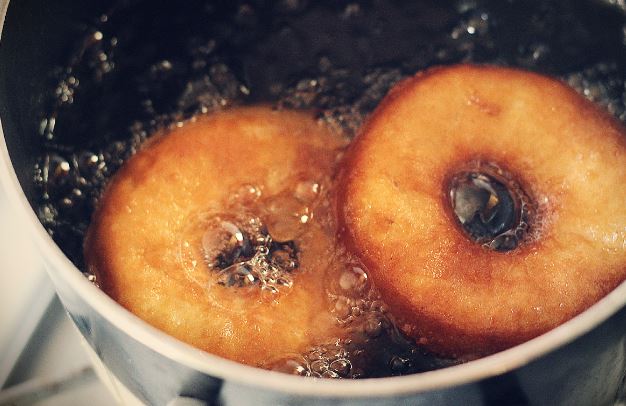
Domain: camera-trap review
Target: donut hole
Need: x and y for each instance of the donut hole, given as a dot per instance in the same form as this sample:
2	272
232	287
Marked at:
489	207
243	253
484	207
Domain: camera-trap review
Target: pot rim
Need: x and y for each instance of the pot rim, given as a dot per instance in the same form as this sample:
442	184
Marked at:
59	265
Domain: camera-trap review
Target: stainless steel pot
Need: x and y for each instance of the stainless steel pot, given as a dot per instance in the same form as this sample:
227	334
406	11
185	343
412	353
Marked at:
582	362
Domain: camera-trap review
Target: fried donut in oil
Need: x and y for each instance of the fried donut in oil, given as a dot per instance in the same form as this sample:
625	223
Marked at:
501	135
145	244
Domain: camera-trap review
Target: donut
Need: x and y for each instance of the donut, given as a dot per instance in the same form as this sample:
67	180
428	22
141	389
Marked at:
210	233
487	204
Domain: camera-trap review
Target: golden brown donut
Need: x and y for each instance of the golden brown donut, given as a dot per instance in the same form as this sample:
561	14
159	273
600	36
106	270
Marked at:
189	188
448	290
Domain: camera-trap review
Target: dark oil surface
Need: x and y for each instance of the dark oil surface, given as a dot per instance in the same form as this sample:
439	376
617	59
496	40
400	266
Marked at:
149	65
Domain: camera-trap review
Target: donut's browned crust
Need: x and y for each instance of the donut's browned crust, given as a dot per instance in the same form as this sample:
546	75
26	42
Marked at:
449	293
134	242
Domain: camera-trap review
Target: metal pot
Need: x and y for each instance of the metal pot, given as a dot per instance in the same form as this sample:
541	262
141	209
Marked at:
581	362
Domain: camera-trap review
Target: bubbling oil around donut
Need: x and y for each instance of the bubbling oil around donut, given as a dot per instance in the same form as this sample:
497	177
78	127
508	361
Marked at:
373	346
242	253
255	241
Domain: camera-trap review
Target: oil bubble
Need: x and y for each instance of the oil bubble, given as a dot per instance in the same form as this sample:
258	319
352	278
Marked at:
292	367
307	191
286	217
355	279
